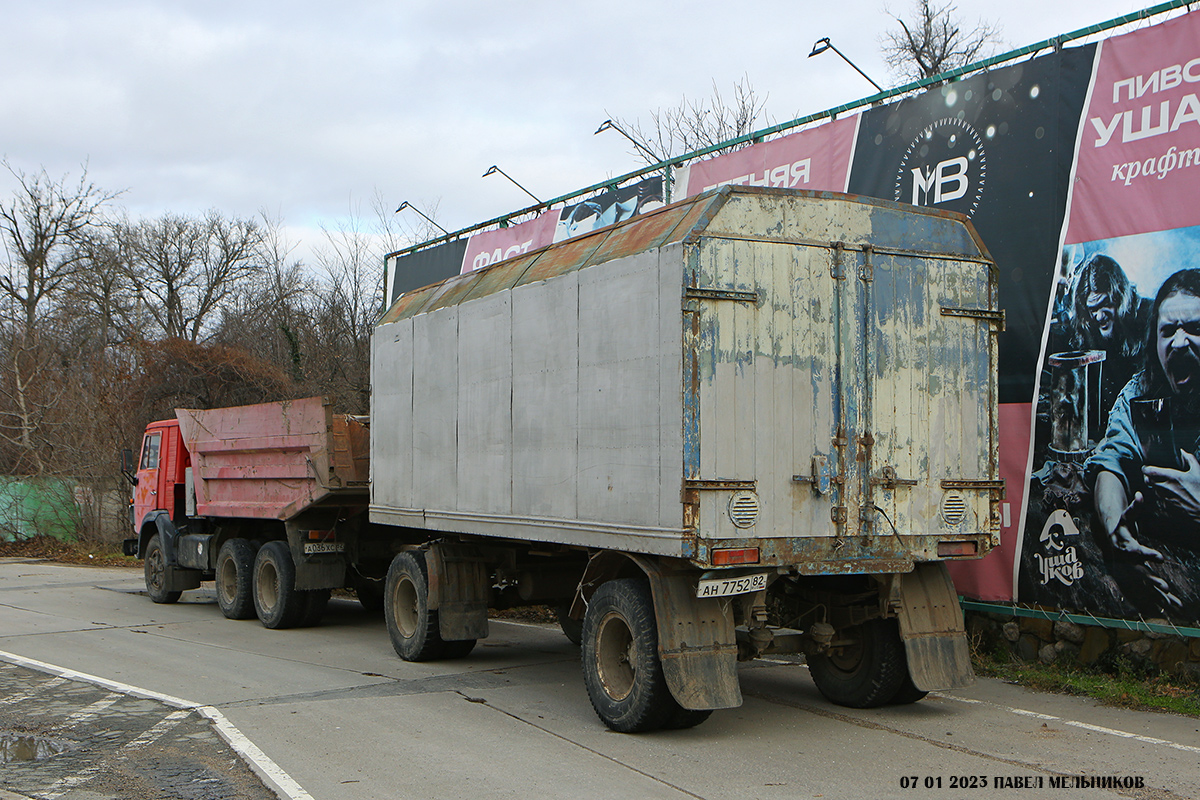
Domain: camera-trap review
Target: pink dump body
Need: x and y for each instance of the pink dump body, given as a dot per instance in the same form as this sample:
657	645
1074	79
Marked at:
274	460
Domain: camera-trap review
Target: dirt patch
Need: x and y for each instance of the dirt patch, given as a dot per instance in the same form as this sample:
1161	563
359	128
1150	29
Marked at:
47	547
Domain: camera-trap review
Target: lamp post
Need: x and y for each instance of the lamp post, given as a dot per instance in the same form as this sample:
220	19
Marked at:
493	169
609	125
407	204
824	44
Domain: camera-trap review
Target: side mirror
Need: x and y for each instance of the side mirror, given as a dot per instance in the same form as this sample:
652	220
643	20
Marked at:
127	466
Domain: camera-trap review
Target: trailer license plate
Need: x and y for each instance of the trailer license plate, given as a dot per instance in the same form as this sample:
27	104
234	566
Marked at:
324	547
723	587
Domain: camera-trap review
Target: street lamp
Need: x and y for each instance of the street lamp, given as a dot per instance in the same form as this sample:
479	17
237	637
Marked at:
609	125
824	44
493	169
407	204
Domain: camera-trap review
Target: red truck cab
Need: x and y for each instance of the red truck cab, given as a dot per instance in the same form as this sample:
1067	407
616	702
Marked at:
161	474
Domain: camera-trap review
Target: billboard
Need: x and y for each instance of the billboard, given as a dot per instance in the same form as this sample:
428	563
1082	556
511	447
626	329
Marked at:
1113	520
1079	169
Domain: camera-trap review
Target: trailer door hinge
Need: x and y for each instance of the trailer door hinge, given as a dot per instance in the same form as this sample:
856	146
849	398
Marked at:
708	293
994	317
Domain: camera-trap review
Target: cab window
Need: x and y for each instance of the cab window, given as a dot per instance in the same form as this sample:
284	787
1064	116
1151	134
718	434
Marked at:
150	451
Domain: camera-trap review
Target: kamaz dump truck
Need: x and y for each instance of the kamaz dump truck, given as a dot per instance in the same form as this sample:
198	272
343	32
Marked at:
754	421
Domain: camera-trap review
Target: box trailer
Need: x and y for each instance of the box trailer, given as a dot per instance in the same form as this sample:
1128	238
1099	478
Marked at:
752	421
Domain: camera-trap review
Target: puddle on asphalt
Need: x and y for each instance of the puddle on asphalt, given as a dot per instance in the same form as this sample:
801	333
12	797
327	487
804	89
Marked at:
25	747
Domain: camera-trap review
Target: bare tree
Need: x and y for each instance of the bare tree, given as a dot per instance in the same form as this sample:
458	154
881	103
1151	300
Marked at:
39	227
185	268
696	124
933	41
267	319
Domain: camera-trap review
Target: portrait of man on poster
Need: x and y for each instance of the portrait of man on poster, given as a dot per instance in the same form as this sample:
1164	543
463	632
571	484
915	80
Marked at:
1146	473
1109	315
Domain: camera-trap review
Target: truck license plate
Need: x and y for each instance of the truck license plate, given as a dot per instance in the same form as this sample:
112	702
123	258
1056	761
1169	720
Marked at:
324	547
723	587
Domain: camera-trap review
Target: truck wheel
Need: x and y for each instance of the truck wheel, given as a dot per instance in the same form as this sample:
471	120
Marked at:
155	569
457	649
572	628
235	579
621	667
413	628
276	600
867	673
315	601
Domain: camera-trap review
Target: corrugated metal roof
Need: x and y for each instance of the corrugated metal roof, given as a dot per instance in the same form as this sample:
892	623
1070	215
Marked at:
671	223
940	231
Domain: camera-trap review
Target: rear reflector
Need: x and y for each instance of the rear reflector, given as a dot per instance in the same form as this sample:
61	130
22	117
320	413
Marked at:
729	557
952	549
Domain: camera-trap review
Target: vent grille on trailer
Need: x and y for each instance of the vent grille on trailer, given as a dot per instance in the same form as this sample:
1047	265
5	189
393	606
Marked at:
954	508
743	509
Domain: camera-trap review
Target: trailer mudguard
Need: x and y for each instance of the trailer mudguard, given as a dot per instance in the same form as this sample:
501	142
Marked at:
931	626
458	591
697	644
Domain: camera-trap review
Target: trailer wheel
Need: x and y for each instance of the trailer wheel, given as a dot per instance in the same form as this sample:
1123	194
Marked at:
907	693
867	673
413	628
315	601
276	600
155	569
235	579
457	649
621	667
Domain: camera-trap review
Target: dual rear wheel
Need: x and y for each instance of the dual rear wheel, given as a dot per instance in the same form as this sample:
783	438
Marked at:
262	582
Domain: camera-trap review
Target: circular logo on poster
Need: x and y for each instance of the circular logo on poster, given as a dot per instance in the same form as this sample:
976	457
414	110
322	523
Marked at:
944	166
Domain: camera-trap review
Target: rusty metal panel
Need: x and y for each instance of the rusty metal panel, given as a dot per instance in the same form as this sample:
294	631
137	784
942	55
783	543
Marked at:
410	304
392	408
642	233
561	258
435	409
829	382
545	405
451	292
498	277
766	372
485	387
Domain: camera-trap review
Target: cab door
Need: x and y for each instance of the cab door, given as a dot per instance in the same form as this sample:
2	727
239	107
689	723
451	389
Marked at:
146	492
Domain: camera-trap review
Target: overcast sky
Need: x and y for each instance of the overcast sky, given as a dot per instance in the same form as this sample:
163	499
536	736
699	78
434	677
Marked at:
308	109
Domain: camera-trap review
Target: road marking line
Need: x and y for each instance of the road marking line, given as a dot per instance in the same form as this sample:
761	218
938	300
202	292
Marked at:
17	698
1138	737
90	711
262	765
1073	723
154	734
259	762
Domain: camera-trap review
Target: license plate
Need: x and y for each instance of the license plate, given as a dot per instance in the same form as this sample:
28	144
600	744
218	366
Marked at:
724	587
324	547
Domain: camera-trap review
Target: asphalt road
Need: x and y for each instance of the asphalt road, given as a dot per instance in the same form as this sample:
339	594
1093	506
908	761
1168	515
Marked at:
335	709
